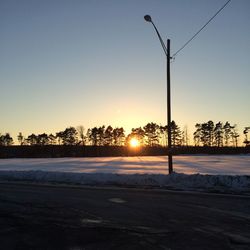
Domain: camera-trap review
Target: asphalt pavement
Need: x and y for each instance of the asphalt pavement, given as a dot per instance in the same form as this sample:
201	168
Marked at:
61	217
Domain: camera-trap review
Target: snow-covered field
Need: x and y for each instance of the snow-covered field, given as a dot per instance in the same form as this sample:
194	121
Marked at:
222	172
189	164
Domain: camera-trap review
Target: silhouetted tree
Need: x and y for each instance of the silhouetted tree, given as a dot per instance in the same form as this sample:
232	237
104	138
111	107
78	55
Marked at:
210	131
197	134
20	138
207	129
92	135
151	133
245	132
32	140
234	136
101	136
42	139
119	136
68	136
6	140
80	131
227	133
218	134
176	134
137	133
204	134
108	136
96	136
52	139
59	136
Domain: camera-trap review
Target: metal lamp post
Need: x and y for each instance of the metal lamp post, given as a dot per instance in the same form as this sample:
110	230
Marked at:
167	53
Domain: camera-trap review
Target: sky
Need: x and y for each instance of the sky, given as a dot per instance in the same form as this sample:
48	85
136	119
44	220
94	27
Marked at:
92	62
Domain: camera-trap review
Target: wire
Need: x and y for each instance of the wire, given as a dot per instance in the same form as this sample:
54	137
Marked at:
174	55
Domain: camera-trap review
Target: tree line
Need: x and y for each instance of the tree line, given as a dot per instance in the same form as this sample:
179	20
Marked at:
152	134
219	134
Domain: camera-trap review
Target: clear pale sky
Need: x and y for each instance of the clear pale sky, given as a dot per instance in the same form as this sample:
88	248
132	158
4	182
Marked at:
92	62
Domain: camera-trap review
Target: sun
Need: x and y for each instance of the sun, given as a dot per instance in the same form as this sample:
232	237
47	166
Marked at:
134	143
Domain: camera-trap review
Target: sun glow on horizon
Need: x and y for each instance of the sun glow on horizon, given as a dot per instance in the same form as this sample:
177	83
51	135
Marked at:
134	143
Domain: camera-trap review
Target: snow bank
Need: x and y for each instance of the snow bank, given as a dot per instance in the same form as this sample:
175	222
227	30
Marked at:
174	181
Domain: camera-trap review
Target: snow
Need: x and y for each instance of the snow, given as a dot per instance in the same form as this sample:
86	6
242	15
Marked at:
217	173
186	164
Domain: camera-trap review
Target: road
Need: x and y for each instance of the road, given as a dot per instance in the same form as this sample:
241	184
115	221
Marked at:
71	217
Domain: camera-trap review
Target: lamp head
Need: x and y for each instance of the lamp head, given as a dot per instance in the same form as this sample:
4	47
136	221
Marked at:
148	18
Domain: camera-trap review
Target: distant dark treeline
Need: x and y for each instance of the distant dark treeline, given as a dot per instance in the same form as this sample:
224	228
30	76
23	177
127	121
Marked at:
206	134
54	151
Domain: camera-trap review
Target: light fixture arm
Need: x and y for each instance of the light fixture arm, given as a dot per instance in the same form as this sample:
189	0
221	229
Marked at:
161	41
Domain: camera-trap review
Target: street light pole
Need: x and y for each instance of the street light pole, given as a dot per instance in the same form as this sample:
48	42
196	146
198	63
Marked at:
170	157
167	53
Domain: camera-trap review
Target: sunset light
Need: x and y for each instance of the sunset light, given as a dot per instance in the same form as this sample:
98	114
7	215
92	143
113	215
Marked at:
134	143
122	118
